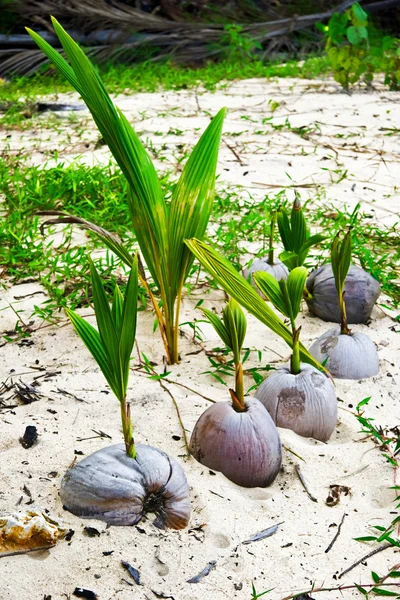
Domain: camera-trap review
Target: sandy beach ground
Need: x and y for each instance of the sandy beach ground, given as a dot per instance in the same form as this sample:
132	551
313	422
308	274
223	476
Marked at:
343	133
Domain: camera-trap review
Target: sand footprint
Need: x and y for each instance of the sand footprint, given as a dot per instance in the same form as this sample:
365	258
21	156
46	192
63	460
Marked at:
221	541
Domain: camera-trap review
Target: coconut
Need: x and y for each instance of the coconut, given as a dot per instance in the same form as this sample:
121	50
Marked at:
244	446
277	269
361	291
111	486
305	403
347	356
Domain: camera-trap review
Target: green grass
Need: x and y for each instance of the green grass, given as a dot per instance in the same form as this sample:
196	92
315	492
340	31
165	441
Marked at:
240	227
154	76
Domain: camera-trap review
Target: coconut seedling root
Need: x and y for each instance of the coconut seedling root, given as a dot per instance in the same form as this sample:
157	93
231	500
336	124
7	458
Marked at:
347	354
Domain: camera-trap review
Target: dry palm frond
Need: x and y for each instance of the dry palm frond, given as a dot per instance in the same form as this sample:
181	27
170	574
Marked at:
110	30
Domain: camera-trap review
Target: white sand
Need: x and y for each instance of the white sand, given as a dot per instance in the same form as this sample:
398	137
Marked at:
224	515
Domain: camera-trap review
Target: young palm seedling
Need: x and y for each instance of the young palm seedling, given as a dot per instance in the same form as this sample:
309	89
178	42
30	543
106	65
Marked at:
238	288
269	264
298	397
295	236
311	417
160	227
237	438
348	355
361	291
121	483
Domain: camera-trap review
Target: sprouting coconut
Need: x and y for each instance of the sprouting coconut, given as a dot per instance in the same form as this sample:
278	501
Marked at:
361	291
298	397
269	264
237	438
347	355
308	404
120	484
295	235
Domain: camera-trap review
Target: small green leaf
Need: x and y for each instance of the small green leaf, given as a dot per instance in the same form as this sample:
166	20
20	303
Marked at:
295	285
91	338
271	288
236	325
298	225
356	35
127	332
375	577
218	325
383	592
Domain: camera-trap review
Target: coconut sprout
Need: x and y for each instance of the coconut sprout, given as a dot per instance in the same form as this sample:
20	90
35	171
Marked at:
295	235
298	397
238	288
160	227
310	408
238	437
121	483
269	264
348	355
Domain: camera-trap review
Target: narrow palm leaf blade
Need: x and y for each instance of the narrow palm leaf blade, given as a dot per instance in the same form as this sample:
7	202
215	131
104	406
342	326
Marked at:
295	286
128	322
116	309
219	326
91	338
271	289
192	201
104	320
298	226
284	229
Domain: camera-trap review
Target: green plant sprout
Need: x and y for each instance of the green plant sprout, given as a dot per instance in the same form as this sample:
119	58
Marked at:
236	286
340	259
286	296
295	236
232	331
271	248
160	227
111	345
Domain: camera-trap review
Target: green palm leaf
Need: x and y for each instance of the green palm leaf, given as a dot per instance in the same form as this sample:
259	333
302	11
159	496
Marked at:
128	322
160	232
91	338
237	287
295	286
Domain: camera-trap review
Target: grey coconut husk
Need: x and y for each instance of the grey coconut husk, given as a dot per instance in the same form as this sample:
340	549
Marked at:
111	486
347	356
306	403
278	270
361	291
244	446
